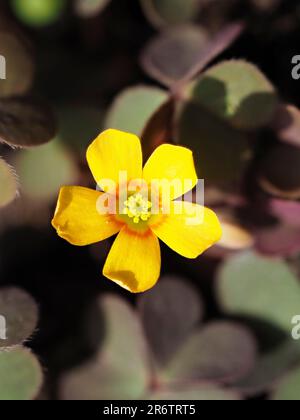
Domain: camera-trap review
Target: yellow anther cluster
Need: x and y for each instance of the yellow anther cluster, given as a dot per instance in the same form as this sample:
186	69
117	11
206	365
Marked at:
138	208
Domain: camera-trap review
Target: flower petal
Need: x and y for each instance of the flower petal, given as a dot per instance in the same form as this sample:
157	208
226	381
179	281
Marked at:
189	229
113	152
77	220
169	162
134	260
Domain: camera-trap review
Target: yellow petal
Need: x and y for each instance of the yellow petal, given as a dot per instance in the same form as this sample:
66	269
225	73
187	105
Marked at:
189	229
77	220
134	261
113	152
172	163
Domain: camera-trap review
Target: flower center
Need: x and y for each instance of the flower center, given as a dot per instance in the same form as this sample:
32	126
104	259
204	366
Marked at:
137	208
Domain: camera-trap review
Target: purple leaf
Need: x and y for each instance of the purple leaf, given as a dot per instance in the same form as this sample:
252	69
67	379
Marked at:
169	313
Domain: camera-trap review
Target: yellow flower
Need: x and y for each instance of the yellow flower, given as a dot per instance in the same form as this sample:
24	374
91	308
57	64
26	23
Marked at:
142	211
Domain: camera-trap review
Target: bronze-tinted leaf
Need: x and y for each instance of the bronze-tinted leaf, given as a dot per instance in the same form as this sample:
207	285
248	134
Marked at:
221	153
166	306
159	129
279	171
221	351
278	241
25	122
120	370
20	316
215	46
270	367
286	124
286	211
18	65
160	57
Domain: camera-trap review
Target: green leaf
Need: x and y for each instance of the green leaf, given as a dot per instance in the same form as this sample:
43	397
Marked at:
79	126
220	152
90	8
271	365
237	92
167	319
20	375
221	351
198	393
132	109
121	370
259	288
170	12
25	122
8	182
20	314
18	65
44	169
38	13
288	389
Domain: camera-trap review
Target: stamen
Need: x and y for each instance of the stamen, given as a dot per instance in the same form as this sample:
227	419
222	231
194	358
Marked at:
137	207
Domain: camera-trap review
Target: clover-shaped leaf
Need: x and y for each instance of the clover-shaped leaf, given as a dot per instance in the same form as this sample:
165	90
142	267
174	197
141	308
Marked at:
279	172
270	366
133	108
266	293
125	368
245	285
281	240
120	370
286	211
8	182
25	122
18	64
176	308
44	169
160	58
20	314
237	92
221	351
194	47
20	375
78	125
226	150
170	12
286	124
184	352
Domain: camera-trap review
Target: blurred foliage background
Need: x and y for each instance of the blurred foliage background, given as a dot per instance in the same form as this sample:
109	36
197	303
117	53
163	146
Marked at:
214	75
